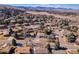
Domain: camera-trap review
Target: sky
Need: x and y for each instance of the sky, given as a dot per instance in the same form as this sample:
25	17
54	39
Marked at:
72	6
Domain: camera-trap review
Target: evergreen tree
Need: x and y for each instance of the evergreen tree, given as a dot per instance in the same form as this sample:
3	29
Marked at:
57	44
14	42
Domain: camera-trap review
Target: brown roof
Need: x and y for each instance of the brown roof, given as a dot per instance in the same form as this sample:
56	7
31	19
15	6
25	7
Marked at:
40	50
22	50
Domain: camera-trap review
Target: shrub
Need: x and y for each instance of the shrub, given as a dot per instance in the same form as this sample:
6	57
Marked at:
48	31
14	42
78	50
72	37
